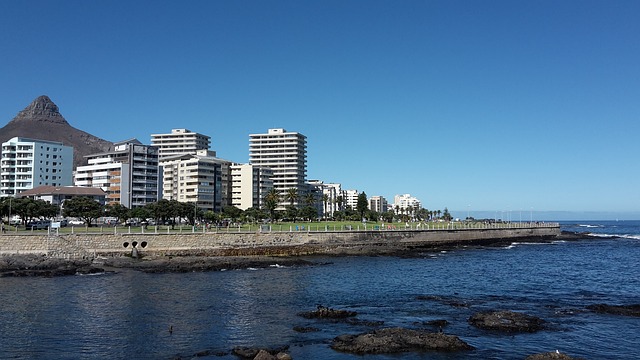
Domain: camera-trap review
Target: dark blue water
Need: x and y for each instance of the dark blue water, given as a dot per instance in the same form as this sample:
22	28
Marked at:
127	315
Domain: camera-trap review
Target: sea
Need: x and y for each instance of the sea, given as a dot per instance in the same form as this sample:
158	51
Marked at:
204	315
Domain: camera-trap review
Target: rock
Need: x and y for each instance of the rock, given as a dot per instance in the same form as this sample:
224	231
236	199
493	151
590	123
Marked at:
260	354
555	355
397	340
627	310
507	321
264	355
302	329
283	356
437	323
327	313
245	353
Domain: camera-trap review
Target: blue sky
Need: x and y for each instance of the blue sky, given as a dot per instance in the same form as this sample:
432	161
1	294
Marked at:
471	105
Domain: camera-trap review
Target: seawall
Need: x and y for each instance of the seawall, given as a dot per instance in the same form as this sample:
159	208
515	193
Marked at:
87	245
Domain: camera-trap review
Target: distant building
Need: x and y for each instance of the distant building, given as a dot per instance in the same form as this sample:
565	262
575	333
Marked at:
198	179
129	174
57	195
286	154
28	163
250	183
327	197
351	198
402	203
180	142
378	204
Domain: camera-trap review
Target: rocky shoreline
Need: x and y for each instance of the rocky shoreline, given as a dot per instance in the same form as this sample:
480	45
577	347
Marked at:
229	259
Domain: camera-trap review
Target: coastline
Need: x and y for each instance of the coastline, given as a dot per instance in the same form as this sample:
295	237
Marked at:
27	265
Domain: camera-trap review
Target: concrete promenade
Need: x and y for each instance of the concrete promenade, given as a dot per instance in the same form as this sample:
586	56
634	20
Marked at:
265	240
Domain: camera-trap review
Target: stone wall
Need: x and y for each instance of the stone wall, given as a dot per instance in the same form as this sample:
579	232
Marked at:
255	243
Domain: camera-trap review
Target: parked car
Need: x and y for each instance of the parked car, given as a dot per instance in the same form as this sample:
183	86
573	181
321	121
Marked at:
39	224
75	222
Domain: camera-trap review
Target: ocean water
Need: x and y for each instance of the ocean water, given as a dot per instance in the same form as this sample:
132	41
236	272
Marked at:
128	315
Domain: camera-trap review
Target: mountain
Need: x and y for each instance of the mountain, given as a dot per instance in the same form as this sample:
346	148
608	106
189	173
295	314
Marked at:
41	120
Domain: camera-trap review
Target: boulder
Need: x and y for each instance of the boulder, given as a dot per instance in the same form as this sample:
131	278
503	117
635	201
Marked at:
507	321
628	310
323	312
555	355
397	340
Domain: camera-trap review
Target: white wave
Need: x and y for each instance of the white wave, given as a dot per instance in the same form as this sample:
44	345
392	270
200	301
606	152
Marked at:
252	269
513	245
589	226
277	266
627	236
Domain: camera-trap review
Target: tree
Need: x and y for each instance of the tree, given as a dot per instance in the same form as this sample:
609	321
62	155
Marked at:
388	216
83	208
254	214
291	212
309	213
231	212
325	201
291	196
340	202
118	211
362	205
270	202
446	215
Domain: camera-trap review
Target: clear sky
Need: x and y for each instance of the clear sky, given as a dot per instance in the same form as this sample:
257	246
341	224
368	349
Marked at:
470	105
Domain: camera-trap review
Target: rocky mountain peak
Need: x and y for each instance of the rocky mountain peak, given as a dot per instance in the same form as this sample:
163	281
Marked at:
41	109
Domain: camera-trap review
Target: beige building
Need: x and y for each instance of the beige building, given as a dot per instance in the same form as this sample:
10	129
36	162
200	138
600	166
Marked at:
250	183
378	204
197	178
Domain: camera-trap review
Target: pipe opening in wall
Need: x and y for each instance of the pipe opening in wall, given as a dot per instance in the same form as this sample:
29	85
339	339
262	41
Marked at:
143	244
134	244
125	244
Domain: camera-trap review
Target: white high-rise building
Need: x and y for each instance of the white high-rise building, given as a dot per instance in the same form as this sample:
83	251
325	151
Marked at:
28	163
286	154
250	183
129	174
180	142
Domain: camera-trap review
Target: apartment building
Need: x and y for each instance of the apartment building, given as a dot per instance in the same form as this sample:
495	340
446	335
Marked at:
378	204
129	174
250	183
351	198
28	163
405	201
286	154
197	178
179	142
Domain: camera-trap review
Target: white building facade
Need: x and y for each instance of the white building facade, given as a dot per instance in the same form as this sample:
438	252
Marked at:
286	154
250	183
180	142
129	174
28	163
402	203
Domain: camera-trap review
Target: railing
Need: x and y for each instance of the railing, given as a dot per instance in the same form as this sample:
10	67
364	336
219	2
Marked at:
277	228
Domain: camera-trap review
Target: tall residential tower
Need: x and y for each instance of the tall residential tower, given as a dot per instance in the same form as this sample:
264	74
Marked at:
286	154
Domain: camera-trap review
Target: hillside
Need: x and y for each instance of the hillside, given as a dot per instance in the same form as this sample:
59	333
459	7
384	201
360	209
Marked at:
42	120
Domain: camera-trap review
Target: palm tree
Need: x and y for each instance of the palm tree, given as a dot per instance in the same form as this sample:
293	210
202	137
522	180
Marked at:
340	201
292	195
325	200
271	201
